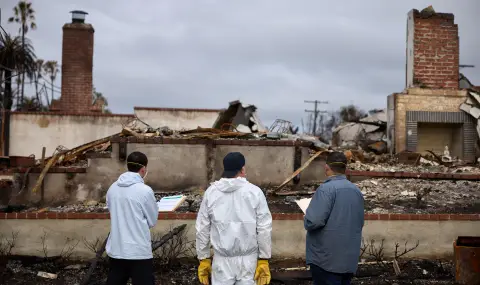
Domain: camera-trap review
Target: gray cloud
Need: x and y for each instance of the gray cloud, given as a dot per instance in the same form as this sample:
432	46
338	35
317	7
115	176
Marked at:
275	54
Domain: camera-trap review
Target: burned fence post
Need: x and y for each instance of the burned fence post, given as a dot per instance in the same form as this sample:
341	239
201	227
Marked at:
210	161
122	150
42	186
297	162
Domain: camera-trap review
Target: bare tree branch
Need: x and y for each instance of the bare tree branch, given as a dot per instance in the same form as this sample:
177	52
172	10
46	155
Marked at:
405	250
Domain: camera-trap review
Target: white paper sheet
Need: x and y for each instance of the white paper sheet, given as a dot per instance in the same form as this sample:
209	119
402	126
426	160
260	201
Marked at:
170	203
303	204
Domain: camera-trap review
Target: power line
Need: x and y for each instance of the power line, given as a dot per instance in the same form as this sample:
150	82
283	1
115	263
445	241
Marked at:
59	89
50	88
40	78
315	113
56	86
16	74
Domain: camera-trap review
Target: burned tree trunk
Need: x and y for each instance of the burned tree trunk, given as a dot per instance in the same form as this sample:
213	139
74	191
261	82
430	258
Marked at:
93	265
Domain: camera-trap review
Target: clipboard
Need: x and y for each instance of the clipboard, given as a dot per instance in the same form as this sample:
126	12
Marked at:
170	203
303	204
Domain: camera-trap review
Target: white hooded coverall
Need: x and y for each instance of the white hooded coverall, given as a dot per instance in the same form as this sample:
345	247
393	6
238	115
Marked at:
234	217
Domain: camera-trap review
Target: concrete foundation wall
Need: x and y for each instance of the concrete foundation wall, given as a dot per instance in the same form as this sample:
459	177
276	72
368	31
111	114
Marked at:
264	165
288	240
172	167
417	99
177	119
29	132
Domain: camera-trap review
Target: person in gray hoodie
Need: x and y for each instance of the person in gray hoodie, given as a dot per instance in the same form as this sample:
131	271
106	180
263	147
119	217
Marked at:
133	212
334	221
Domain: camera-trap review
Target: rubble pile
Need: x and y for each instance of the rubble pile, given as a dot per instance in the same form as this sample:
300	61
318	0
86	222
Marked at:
397	167
368	133
420	196
191	204
382	195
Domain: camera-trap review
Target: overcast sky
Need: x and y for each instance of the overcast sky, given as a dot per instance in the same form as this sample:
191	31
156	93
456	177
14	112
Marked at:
274	54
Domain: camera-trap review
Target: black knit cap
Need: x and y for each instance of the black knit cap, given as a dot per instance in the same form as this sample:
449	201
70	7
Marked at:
232	164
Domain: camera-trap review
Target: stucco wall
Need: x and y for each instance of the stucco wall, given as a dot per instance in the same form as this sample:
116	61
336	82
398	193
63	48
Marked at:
417	99
177	119
29	132
315	171
264	165
288	240
172	167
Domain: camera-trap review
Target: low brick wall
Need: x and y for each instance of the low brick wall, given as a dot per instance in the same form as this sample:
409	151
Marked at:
435	232
275	216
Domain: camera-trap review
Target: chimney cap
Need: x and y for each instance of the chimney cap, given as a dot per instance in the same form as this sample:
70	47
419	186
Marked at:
78	16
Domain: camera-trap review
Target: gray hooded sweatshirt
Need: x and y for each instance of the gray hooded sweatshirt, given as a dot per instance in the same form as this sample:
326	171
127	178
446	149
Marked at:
133	211
334	222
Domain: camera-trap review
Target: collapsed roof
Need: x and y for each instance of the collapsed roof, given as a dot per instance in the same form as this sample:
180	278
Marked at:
240	117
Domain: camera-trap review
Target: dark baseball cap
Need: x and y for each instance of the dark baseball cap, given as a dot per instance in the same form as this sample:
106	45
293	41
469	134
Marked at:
232	164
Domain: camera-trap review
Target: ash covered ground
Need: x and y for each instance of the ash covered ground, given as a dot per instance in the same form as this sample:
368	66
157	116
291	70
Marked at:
23	271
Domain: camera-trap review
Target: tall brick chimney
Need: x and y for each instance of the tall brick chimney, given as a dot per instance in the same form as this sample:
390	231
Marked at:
432	50
77	65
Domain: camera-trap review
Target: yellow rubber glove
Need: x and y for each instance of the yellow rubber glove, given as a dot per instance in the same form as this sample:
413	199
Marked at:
262	274
204	270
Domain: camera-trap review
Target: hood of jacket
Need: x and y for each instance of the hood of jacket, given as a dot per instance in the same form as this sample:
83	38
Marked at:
128	179
230	184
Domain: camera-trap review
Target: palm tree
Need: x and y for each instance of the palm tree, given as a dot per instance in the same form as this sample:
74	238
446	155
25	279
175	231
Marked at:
24	15
51	69
14	56
37	76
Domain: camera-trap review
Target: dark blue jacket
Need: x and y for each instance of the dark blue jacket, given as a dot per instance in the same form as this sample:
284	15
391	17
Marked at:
334	222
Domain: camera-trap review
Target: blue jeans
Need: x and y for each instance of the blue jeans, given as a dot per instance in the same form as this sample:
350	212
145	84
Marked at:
322	277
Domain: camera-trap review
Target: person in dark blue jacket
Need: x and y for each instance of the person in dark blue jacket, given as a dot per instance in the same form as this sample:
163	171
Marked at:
334	221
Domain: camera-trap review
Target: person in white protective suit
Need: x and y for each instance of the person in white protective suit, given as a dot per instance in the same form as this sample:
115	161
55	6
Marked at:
234	218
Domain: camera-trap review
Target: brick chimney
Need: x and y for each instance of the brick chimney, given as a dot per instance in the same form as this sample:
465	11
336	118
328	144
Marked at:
77	65
432	50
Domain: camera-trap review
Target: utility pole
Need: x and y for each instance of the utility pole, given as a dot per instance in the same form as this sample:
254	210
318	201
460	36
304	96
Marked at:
315	113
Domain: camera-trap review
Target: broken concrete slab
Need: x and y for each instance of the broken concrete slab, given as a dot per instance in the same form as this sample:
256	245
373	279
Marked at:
366	131
471	106
350	132
466	107
475	96
376	136
474	112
